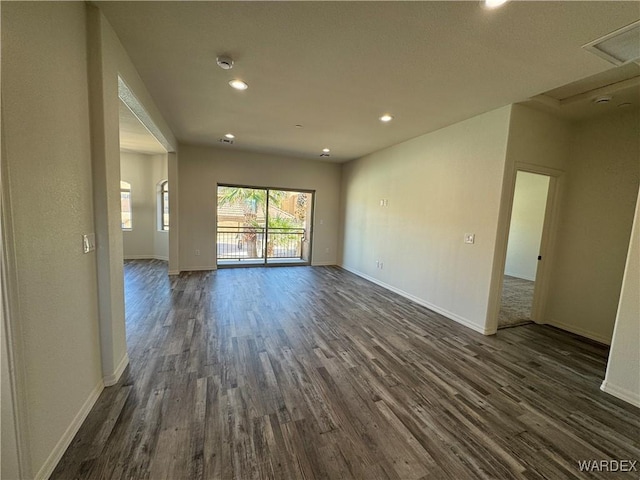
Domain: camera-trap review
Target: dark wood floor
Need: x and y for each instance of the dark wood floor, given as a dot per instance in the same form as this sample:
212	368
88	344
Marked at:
312	372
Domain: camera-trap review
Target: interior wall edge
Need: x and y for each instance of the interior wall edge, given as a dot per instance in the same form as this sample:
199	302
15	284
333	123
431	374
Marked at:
11	325
111	380
501	238
622	393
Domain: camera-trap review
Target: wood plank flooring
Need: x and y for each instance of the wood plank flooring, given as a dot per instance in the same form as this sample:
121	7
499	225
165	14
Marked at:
314	373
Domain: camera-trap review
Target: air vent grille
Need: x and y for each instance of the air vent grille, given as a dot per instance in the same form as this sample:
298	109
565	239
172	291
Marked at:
228	141
619	47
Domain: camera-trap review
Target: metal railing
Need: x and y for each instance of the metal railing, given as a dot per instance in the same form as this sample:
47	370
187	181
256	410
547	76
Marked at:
249	242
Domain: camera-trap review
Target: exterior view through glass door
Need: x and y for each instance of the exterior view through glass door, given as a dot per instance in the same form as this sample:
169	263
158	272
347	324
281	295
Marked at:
263	226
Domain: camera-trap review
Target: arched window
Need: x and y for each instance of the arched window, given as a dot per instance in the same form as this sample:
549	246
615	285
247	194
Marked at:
125	205
163	205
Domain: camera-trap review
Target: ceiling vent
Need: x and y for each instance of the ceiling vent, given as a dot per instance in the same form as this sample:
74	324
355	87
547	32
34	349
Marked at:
228	141
619	47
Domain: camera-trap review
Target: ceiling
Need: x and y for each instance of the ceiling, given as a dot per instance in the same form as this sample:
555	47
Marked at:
335	67
134	136
577	100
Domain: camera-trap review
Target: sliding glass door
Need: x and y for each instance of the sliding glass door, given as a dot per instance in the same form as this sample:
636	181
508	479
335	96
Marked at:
263	226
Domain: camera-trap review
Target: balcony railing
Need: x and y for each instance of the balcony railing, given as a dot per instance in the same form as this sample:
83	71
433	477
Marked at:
249	242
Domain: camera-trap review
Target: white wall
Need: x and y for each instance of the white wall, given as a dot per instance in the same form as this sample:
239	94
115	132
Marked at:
623	369
537	141
527	219
200	169
438	187
109	62
598	165
47	154
597	208
144	173
62	162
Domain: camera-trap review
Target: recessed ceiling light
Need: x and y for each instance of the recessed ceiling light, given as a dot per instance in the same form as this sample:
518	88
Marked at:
625	105
494	3
238	84
298	126
386	118
229	135
326	150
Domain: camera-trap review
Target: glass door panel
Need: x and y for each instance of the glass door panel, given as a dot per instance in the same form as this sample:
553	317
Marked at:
241	224
263	226
288	238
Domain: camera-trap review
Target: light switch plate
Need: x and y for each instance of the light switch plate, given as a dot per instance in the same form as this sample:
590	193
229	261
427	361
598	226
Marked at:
88	242
469	238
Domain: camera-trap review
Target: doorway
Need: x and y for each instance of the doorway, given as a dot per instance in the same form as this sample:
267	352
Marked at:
259	226
524	249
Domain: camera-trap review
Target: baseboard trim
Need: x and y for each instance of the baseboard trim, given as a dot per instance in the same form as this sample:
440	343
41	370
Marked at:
522	277
174	272
323	264
622	393
67	437
445	313
197	269
580	331
112	379
146	257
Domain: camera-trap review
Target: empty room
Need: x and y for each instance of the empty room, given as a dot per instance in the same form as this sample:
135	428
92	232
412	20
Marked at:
338	240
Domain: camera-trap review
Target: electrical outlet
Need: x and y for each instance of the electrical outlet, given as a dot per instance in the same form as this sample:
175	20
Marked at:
469	238
197	252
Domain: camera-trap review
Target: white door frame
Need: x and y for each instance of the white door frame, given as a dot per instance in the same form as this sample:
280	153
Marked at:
547	242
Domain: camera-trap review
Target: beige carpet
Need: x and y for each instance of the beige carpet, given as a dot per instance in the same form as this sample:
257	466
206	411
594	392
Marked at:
517	297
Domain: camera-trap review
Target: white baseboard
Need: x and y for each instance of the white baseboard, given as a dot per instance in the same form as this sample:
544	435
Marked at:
112	379
198	269
174	272
622	393
580	331
56	454
323	264
146	257
450	315
523	277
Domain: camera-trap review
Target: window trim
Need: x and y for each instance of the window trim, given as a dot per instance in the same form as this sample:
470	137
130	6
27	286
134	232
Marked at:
125	188
163	205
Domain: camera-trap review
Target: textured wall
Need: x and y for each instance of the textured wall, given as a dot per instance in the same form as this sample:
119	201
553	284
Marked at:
525	231
200	169
438	187
623	369
597	209
144	172
46	120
